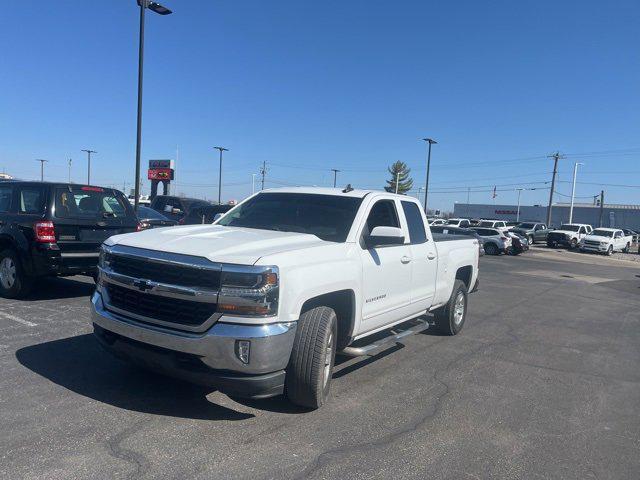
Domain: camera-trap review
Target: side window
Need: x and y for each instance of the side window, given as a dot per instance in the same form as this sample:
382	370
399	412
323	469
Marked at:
582	230
417	233
31	200
383	214
465	223
5	198
500	224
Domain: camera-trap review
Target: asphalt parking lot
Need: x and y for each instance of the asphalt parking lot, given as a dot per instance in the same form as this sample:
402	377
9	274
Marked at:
544	382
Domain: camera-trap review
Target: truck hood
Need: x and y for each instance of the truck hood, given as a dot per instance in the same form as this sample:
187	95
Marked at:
598	238
522	231
218	243
565	232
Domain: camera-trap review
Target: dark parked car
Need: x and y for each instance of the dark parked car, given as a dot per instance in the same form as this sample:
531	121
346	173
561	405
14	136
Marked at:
532	231
150	218
448	230
204	214
49	229
176	208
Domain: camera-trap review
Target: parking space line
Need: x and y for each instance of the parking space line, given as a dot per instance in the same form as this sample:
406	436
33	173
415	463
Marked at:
18	319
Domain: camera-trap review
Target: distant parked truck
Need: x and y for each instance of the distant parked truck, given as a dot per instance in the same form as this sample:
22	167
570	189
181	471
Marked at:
607	241
568	235
533	232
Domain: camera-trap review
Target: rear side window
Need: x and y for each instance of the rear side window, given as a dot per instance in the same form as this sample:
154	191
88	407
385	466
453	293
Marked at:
417	233
91	202
383	214
31	200
5	198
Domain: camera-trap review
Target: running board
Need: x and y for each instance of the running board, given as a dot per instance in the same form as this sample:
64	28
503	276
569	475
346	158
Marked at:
396	335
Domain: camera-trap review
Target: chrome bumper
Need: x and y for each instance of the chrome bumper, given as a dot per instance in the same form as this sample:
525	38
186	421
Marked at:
271	344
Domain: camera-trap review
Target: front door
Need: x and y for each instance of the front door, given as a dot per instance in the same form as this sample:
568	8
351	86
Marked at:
386	271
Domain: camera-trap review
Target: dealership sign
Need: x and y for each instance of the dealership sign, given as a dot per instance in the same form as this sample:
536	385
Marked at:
506	212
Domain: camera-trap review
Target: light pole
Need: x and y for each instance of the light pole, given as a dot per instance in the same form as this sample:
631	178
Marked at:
70	170
253	183
159	9
89	152
220	149
335	176
430	141
41	168
518	211
573	189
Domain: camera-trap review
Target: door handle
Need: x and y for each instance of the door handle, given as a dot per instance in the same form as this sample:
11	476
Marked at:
431	256
405	259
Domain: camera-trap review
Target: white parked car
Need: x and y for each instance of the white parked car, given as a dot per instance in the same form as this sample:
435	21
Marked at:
568	235
495	241
459	222
258	303
437	221
497	224
607	241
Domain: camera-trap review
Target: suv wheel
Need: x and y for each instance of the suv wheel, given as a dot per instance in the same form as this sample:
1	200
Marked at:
491	249
530	239
450	318
14	283
312	358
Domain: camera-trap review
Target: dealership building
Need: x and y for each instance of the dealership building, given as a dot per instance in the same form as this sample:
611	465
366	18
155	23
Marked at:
614	216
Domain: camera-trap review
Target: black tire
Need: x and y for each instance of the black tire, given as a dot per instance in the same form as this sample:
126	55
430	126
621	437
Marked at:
14	282
573	244
627	248
491	249
446	318
552	244
609	251
531	239
307	383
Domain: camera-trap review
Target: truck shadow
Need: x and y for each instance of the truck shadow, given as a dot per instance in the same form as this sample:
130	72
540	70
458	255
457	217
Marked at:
56	288
80	365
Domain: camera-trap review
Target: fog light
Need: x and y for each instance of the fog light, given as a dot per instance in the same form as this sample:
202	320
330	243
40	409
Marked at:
243	349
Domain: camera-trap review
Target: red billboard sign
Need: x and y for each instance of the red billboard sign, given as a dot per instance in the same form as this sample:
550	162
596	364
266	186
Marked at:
160	174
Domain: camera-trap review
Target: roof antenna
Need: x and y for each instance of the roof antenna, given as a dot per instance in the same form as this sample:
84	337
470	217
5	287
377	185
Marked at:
347	189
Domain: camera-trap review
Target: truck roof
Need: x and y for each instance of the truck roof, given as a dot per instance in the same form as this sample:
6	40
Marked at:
339	192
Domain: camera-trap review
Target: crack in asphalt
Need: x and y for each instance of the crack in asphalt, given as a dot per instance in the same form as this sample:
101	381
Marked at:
341	452
116	449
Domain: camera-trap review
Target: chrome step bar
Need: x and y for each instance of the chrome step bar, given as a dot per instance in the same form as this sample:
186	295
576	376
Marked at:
397	334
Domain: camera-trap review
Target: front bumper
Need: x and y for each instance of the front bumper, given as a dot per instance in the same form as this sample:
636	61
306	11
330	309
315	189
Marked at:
594	248
207	358
47	259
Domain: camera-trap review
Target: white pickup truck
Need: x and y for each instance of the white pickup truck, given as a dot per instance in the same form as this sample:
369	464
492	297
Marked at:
258	303
607	241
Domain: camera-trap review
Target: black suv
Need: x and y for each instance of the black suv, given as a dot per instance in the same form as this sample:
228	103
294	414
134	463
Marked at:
204	214
51	229
176	208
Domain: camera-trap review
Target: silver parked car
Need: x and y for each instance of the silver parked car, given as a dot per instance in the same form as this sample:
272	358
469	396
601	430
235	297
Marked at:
495	241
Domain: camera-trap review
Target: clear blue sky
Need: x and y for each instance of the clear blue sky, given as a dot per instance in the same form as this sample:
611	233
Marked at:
340	84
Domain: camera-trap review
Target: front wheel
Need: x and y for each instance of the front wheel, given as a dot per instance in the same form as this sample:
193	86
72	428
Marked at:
531	239
491	249
627	248
552	244
573	244
450	318
609	251
14	282
312	358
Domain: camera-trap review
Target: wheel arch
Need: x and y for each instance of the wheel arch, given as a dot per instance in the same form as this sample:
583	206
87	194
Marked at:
465	274
343	302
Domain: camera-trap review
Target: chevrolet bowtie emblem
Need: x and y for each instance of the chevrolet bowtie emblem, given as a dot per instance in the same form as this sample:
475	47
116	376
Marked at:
142	285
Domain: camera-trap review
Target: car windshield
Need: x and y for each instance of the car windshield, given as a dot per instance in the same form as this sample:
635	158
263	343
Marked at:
526	226
453	221
602	233
570	228
329	217
91	202
486	223
150	213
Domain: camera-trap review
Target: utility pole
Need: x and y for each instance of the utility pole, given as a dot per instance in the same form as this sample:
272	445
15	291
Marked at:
573	189
41	168
430	141
263	172
518	211
253	183
70	170
556	156
89	152
601	207
335	176
220	149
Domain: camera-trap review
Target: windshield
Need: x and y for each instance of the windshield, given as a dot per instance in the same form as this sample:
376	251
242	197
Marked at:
453	221
91	202
150	213
486	224
329	217
570	228
527	226
602	233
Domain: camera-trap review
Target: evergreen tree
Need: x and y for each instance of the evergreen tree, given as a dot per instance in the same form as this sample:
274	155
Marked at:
399	171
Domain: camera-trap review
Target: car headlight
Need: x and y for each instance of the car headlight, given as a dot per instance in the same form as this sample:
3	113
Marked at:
603	244
250	291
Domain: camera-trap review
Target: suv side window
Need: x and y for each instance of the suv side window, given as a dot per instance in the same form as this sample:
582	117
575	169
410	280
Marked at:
417	233
5	198
30	200
383	214
465	224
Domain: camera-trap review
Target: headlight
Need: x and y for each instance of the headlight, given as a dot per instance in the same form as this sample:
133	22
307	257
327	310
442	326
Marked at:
603	244
251	291
104	258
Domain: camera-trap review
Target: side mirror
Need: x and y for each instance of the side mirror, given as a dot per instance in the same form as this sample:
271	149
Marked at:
176	211
218	216
382	236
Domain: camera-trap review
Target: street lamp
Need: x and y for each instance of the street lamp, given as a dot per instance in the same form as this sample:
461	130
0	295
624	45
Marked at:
518	211
89	152
573	189
430	141
159	9
41	168
221	149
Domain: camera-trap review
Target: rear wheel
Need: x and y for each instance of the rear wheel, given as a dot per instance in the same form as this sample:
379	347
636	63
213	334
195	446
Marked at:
14	282
312	358
450	318
573	243
491	249
627	248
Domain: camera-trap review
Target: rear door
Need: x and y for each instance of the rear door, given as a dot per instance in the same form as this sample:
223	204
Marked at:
386	271
424	260
85	216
